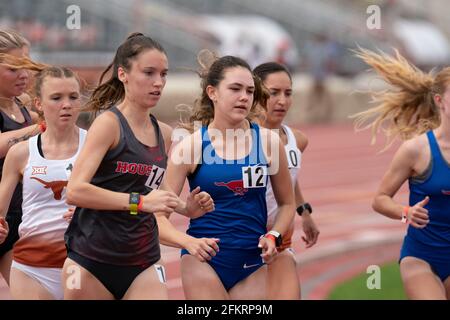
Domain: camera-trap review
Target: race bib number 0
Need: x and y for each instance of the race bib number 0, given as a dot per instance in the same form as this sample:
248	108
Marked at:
254	176
155	177
293	158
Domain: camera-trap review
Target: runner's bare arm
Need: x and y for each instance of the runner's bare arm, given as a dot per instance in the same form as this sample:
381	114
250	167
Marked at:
280	180
102	136
12	174
10	138
400	169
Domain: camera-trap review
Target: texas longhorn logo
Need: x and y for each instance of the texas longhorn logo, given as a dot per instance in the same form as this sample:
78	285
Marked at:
56	186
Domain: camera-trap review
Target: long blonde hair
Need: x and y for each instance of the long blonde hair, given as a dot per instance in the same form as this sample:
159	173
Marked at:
13	62
212	72
10	40
407	107
43	71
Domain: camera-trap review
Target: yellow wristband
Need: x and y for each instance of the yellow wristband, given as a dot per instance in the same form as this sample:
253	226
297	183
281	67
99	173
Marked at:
133	208
134	203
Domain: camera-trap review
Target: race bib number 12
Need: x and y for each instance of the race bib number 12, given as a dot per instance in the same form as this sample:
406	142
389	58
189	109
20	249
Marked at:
254	176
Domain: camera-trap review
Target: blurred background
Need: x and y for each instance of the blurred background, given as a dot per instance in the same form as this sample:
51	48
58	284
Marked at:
314	39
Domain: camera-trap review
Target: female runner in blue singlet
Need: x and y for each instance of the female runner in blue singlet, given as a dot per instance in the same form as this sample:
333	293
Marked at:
231	158
416	108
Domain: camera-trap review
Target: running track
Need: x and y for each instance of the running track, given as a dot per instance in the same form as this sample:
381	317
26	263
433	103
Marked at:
339	175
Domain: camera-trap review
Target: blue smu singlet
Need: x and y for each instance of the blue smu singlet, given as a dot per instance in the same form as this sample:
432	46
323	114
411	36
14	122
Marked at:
238	188
432	243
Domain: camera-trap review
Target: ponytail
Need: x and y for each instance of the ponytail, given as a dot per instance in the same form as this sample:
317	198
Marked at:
407	107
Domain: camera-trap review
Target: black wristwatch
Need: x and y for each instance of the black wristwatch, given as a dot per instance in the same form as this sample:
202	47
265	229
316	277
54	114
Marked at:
303	207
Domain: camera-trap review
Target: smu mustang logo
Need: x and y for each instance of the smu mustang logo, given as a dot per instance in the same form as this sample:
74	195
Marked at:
237	186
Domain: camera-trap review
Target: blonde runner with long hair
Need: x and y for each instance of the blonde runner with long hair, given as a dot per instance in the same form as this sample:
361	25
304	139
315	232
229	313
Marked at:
16	123
407	107
416	108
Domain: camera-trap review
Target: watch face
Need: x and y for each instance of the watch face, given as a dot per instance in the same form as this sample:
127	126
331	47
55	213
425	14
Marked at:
279	241
134	198
303	207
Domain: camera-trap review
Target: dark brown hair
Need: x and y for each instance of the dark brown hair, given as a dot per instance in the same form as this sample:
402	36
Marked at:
263	70
212	74
112	91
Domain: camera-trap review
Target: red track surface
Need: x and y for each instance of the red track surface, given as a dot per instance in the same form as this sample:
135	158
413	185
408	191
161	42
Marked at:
340	173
